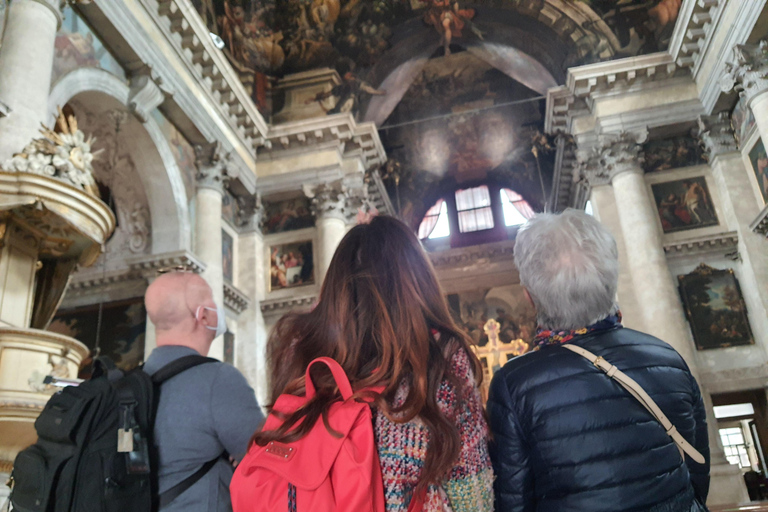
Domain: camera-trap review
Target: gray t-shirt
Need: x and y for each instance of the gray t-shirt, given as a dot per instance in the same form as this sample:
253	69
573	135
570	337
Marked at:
202	412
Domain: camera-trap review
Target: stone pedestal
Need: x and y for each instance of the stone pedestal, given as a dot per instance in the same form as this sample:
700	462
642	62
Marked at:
211	176
26	64
299	91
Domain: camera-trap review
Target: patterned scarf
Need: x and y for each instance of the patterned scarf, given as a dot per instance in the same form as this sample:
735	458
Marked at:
546	337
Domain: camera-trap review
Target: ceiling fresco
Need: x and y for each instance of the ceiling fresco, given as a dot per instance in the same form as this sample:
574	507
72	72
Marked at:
276	37
456	87
462	121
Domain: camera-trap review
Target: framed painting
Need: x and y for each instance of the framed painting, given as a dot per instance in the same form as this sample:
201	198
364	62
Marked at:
288	215
684	204
759	162
290	265
122	329
227	255
715	308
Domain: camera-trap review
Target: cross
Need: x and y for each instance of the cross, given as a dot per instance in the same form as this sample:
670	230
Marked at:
496	353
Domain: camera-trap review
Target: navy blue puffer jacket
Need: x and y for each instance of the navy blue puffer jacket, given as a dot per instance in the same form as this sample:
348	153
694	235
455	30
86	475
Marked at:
567	438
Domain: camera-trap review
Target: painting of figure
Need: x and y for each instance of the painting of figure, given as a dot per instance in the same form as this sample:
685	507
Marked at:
123	325
287	215
759	162
715	308
229	347
291	265
674	153
684	204
742	121
227	256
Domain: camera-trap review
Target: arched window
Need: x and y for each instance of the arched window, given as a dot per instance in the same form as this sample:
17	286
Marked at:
473	206
588	208
435	223
516	209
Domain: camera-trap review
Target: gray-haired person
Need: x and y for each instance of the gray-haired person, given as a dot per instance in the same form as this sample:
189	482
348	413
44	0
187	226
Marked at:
567	436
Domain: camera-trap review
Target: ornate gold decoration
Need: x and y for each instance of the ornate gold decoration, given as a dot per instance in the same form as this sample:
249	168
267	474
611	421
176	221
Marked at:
64	154
495	354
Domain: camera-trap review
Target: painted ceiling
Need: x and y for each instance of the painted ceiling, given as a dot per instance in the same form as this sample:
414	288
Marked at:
455	87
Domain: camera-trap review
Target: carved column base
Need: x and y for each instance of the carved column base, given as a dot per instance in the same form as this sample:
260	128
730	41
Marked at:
26	357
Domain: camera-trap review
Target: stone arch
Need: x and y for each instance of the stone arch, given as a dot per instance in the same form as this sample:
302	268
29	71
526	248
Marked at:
151	153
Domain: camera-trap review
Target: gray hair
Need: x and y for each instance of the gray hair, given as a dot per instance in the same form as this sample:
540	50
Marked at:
569	264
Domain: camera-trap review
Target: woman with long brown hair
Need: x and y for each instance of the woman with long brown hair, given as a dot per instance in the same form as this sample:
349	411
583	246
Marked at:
382	316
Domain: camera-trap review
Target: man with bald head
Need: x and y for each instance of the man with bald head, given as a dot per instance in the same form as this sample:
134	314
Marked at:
206	414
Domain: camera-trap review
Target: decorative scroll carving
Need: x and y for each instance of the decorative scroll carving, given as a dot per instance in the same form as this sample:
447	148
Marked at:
748	72
145	95
65	155
213	167
716	134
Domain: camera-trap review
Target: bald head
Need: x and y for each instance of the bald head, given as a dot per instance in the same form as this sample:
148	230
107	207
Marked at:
173	299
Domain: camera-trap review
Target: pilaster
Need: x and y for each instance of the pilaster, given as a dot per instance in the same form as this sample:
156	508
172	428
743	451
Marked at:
748	73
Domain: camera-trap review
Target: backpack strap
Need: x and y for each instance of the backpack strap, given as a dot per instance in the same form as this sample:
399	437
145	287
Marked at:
162	375
342	381
174	492
641	396
180	365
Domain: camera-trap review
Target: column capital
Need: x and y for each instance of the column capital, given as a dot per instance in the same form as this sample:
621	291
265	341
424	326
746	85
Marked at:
328	201
716	135
748	70
617	153
588	167
341	199
214	167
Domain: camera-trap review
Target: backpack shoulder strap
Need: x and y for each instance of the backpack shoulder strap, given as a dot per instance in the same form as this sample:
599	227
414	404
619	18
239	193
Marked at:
174	492
641	396
180	365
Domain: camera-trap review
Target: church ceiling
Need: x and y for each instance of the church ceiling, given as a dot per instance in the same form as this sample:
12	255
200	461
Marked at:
276	37
456	87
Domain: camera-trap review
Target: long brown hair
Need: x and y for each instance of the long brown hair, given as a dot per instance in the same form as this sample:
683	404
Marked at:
377	314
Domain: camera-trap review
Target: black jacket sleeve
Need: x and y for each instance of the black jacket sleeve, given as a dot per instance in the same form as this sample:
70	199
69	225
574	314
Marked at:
699	472
513	487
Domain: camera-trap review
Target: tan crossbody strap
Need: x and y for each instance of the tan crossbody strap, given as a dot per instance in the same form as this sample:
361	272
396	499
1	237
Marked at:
639	393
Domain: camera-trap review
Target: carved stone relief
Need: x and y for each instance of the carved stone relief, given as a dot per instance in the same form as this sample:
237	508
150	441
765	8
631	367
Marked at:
117	171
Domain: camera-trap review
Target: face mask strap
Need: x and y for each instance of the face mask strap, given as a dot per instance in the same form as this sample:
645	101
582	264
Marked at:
197	316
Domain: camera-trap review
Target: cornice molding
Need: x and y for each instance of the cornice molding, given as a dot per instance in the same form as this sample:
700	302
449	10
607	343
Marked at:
341	130
234	299
696	23
735	379
760	224
281	306
192	40
703	244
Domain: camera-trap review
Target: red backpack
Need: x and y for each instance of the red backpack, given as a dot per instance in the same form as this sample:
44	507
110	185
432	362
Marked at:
319	472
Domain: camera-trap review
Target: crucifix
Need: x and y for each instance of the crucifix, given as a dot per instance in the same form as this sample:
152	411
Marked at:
496	353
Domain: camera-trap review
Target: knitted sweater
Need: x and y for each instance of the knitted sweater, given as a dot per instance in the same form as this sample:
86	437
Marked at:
402	449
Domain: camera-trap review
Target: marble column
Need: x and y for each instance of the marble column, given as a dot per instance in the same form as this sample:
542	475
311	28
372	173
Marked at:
662	311
740	208
251	356
748	72
26	65
211	176
605	210
329	206
655	289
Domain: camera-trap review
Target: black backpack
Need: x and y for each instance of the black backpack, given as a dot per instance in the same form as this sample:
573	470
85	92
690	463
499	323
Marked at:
94	451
